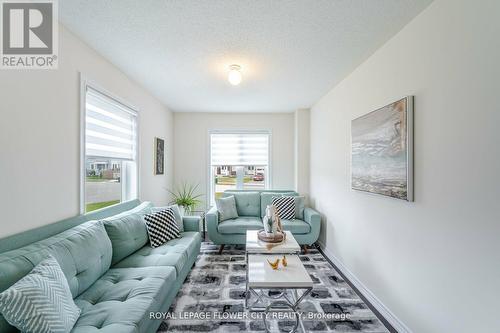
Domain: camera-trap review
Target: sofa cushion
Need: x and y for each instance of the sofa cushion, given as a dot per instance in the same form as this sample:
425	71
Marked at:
81	264
247	203
177	213
190	241
175	253
227	208
285	207
296	226
267	197
300	205
83	252
127	233
45	285
122	299
161	227
240	225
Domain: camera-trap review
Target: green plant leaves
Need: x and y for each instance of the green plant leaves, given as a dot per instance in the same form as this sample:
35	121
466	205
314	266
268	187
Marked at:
185	195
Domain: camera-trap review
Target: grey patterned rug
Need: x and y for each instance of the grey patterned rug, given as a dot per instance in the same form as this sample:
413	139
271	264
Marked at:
213	295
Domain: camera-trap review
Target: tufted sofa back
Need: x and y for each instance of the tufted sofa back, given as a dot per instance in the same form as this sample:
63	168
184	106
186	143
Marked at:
83	252
253	203
247	203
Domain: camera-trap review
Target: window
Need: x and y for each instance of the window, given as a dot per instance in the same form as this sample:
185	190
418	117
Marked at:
238	160
109	140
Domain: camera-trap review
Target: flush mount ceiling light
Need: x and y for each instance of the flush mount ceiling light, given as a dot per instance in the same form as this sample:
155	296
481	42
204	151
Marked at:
234	77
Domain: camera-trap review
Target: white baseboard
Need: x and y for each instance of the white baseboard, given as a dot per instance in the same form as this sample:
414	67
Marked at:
384	311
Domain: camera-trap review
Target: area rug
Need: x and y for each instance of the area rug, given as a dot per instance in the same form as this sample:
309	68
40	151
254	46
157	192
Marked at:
213	296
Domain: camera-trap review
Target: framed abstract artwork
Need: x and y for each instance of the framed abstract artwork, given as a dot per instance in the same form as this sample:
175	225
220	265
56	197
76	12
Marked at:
382	151
159	158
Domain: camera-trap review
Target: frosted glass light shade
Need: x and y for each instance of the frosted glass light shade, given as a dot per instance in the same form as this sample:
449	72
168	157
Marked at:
234	77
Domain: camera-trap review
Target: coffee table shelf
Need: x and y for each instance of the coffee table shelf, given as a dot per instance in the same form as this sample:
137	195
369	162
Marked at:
261	275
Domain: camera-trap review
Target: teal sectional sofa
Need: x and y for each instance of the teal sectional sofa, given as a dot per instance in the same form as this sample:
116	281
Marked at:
251	207
115	277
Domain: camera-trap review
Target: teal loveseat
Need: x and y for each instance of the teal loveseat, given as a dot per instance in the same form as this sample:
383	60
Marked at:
251	208
115	277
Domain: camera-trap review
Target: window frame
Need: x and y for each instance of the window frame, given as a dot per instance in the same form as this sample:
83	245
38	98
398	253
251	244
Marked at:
84	83
210	185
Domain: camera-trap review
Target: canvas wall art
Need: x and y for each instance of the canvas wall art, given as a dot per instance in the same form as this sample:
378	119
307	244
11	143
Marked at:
382	151
159	162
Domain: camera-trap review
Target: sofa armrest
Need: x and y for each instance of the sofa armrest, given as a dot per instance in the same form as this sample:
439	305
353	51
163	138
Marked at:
212	217
312	217
191	223
212	220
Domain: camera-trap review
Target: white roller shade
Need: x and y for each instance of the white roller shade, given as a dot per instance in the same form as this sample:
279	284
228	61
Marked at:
239	149
110	127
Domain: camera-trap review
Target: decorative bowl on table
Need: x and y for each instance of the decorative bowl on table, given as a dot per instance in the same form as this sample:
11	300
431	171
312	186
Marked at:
277	237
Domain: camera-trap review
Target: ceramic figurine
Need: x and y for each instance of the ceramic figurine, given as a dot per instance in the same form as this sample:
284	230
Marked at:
274	265
268	225
284	262
271	221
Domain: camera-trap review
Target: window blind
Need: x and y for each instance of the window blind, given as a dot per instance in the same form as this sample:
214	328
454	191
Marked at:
240	149
110	127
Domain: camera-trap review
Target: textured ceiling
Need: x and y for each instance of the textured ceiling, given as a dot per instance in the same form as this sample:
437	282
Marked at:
291	52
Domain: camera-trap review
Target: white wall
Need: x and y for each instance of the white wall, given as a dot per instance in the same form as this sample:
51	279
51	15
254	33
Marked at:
302	145
433	262
39	136
191	144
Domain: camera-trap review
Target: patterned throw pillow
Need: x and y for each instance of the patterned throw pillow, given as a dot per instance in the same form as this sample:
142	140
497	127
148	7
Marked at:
285	206
41	301
161	227
177	213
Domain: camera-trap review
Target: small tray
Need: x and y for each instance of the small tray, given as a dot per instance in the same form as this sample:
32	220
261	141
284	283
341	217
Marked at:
277	238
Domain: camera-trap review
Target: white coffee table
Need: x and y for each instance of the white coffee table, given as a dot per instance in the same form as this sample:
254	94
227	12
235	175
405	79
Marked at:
256	246
261	277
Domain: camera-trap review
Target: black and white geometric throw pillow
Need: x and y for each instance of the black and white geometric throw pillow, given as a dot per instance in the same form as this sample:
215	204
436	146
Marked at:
285	205
161	227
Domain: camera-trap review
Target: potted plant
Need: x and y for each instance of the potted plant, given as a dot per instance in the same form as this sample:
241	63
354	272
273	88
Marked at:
185	197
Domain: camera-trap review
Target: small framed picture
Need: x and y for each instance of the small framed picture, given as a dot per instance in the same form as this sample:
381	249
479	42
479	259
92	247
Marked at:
159	160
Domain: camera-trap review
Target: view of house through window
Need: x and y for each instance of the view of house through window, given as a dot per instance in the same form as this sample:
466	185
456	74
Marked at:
238	161
110	151
102	183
